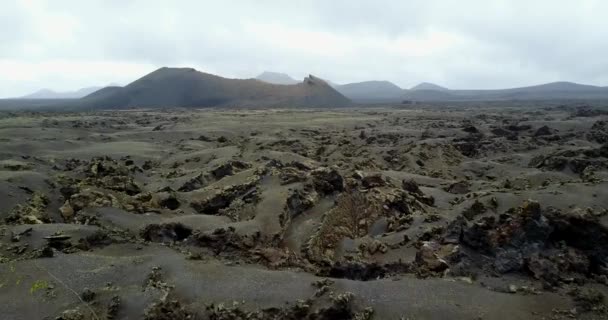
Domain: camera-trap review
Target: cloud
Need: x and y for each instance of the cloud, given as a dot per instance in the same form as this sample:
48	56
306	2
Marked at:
65	45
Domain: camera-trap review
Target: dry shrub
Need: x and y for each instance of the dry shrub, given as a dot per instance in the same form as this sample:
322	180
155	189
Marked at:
351	218
354	213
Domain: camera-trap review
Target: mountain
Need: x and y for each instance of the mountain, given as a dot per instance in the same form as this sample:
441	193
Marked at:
186	87
562	86
276	78
50	94
428	86
371	91
104	93
548	91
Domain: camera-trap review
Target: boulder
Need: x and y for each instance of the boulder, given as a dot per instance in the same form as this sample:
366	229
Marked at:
167	200
460	187
411	186
229	168
66	210
301	200
373	181
431	256
470	129
327	180
195	183
291	175
224	197
543	131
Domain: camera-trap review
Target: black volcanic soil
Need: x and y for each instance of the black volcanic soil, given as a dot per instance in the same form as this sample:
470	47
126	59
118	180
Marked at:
385	213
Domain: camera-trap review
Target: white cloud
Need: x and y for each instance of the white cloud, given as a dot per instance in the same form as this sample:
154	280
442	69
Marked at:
67	44
65	75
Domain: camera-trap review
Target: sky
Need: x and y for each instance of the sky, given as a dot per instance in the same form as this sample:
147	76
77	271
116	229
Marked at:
65	45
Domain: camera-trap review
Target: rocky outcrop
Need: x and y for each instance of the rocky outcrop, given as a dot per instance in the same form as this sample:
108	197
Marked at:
327	180
575	160
229	168
167	232
301	200
548	244
544	131
224	197
373	181
431	256
194	183
32	212
599	132
290	175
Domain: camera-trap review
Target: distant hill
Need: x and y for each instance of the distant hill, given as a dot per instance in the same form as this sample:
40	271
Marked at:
104	92
548	91
276	78
50	94
371	91
186	87
428	95
35	104
47	94
428	86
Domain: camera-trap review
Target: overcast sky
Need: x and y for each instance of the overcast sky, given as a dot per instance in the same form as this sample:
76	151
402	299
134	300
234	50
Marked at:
65	45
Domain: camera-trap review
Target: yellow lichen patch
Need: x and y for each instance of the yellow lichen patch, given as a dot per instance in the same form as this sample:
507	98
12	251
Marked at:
33	212
38	285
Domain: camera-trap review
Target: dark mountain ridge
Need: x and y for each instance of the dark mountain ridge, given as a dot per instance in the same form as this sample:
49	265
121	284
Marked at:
548	91
429	86
370	91
186	87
